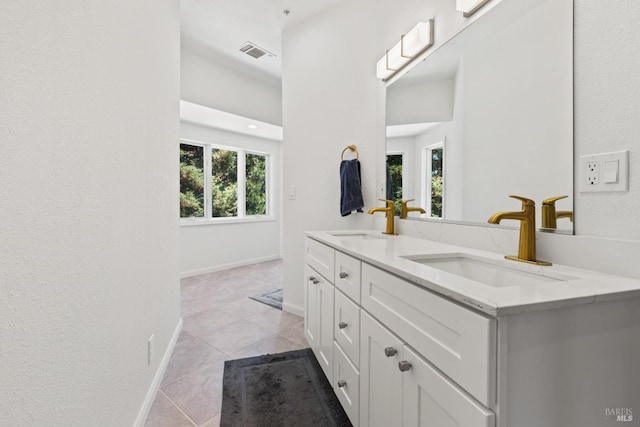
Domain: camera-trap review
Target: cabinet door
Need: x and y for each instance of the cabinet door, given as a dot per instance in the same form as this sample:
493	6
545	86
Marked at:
324	347
346	384
430	399
459	341
380	379
311	314
346	326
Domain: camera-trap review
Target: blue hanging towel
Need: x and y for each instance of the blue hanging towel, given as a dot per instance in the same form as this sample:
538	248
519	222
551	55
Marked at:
350	187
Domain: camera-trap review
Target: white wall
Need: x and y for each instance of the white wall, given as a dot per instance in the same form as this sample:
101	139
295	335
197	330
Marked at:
212	247
607	63
205	82
89	253
329	101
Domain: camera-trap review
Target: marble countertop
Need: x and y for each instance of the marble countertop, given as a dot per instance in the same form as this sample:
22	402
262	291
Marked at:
567	286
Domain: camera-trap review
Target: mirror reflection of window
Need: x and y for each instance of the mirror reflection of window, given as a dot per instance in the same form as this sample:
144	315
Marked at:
433	165
394	180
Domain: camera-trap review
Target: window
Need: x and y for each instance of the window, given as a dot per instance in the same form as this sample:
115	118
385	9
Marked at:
219	183
433	165
394	180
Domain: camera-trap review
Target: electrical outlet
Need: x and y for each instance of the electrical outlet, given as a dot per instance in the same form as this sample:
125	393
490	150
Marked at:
150	350
592	173
605	172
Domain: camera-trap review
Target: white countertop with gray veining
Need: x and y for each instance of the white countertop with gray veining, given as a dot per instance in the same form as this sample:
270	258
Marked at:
566	286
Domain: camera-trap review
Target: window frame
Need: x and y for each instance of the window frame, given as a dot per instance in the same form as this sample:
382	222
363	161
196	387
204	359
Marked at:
426	179
241	174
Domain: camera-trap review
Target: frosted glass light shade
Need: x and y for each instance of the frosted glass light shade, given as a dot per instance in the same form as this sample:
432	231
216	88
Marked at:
469	7
410	45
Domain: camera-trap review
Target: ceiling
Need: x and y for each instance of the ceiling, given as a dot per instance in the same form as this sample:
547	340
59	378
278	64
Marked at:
218	28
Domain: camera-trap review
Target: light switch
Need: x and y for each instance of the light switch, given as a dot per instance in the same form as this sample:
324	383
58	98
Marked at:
605	172
611	172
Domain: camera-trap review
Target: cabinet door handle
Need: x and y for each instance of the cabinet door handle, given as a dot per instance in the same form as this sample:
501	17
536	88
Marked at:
316	281
390	351
342	325
343	275
404	365
312	278
342	383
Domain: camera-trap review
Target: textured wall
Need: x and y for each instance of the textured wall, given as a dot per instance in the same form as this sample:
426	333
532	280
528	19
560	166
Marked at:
607	65
88	229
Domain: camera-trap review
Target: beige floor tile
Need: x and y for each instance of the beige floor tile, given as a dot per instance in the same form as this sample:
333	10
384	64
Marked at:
165	414
213	422
270	345
190	354
237	335
295	333
198	393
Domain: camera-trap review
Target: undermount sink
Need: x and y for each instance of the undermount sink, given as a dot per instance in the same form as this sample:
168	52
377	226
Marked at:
486	271
356	236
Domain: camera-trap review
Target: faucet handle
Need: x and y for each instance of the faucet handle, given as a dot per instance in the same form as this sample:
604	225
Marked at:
407	201
524	200
552	200
388	202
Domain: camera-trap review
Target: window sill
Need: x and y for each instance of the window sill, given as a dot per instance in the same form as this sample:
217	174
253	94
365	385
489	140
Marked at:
191	222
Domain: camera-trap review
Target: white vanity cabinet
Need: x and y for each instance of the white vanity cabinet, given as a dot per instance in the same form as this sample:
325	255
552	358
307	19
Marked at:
318	319
392	341
410	346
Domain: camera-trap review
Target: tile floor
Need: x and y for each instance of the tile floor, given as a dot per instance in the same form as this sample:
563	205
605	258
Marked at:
220	323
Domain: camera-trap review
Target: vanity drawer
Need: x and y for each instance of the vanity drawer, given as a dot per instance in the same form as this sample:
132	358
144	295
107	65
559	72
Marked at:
320	257
347	275
459	342
346	384
346	326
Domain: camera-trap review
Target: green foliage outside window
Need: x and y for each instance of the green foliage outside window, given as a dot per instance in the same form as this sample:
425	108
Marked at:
224	183
437	181
256	184
394	163
191	181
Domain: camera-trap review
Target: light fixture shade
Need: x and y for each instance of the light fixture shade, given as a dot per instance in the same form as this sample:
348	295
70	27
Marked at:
416	40
469	7
410	45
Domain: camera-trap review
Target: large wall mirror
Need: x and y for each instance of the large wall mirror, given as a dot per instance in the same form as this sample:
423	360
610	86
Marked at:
486	115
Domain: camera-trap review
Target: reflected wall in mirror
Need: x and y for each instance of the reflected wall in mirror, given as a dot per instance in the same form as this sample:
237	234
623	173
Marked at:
487	115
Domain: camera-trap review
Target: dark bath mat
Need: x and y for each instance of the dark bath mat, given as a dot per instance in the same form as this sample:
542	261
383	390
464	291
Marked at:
278	390
272	298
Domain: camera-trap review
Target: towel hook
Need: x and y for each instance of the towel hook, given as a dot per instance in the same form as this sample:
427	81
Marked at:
352	148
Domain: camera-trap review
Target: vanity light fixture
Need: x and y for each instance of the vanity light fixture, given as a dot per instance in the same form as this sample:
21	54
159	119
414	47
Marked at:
411	45
469	7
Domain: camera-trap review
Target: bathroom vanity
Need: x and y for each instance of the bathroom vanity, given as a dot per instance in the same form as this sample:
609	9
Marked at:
414	332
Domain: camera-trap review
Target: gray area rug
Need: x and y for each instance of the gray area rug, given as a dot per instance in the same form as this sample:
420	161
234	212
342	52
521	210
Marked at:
278	390
272	298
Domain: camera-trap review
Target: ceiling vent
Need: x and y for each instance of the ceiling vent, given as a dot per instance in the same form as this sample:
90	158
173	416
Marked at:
254	51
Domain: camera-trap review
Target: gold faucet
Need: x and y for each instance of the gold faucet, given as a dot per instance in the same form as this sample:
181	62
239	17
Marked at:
404	209
527	218
389	211
550	215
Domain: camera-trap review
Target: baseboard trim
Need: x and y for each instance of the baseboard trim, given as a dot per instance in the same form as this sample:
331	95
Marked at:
157	379
293	309
196	272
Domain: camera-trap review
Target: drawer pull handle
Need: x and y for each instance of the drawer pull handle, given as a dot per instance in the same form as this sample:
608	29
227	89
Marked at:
390	351
316	281
404	366
312	278
342	325
343	275
342	383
